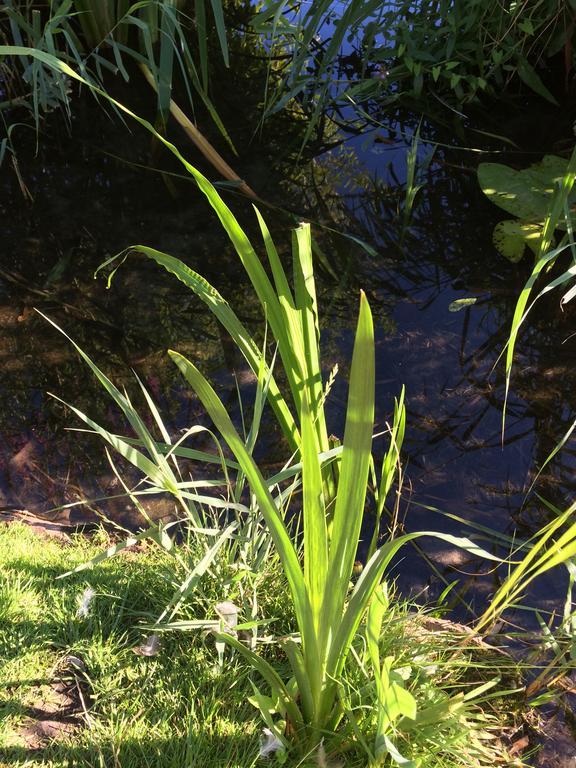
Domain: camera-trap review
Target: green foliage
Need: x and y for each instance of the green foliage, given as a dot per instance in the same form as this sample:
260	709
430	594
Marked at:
328	610
527	194
459	50
414	182
138	710
394	700
512	237
329	606
328	614
544	194
448	53
242	540
553	545
459	304
178	708
100	36
400	704
326	630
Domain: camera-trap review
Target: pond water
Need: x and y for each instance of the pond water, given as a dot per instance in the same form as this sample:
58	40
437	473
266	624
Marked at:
86	197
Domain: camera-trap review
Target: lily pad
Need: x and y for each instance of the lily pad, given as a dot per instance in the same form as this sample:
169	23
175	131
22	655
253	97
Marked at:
525	193
512	236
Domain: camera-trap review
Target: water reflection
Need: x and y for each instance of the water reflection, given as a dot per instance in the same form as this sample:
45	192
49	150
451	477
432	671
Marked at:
458	459
88	206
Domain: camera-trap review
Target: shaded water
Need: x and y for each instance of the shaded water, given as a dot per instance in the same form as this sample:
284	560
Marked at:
88	205
459	461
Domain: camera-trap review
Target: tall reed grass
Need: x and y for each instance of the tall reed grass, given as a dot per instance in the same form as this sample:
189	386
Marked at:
100	38
332	607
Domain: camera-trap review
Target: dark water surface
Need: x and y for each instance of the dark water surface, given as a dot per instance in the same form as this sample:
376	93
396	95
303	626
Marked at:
459	461
87	205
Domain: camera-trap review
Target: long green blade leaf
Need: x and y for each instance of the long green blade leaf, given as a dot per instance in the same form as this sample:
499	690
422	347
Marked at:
270	513
354	468
227	317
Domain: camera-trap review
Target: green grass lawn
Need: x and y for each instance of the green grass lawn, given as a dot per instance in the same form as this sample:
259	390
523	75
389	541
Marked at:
177	708
173	709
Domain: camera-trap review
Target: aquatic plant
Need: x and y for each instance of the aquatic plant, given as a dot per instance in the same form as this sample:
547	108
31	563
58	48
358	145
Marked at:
526	194
328	610
542	196
414	180
553	545
437	54
102	36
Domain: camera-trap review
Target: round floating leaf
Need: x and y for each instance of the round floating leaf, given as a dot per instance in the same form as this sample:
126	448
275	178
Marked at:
524	193
511	238
456	306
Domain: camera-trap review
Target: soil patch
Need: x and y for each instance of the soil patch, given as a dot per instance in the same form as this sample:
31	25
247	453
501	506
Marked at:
55	710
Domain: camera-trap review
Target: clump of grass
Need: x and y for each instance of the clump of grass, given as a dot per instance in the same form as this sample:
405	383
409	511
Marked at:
332	613
177	707
103	38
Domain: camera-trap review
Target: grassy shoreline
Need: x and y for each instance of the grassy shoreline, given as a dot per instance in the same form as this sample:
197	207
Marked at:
177	708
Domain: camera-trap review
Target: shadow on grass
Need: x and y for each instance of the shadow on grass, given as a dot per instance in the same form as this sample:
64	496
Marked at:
134	582
194	750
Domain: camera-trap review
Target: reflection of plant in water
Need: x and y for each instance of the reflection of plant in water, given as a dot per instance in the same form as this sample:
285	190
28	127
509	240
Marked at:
327	182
